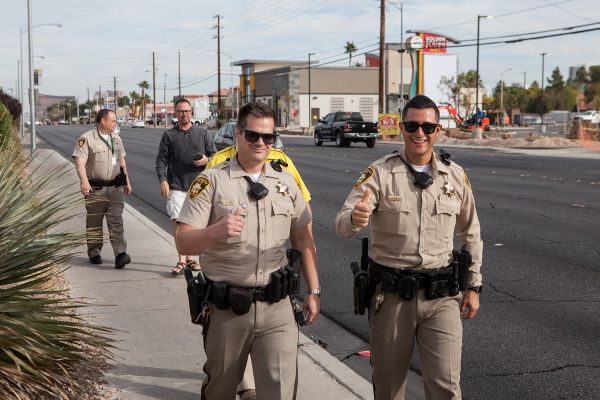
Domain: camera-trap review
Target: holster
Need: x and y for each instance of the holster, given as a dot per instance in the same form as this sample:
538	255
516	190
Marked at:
121	179
361	289
197	291
220	295
273	292
436	284
293	268
464	259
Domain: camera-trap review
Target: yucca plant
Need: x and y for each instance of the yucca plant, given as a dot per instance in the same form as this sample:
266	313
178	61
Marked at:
47	351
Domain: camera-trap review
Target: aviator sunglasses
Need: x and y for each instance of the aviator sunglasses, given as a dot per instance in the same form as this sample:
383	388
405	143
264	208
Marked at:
412	127
268	138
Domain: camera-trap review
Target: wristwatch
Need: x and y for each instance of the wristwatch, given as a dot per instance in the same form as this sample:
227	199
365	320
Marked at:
316	291
476	289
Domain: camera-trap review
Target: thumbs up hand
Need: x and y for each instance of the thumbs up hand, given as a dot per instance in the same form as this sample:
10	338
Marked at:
361	211
229	226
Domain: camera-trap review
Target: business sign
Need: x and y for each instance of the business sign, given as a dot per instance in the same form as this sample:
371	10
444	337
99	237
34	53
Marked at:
434	43
389	124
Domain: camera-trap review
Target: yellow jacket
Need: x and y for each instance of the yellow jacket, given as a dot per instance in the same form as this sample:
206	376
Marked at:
274	154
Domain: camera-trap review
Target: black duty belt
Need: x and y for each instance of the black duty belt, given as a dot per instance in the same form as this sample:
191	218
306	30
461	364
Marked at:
407	282
101	183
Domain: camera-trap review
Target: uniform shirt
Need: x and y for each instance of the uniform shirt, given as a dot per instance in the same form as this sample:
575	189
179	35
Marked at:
98	155
176	152
411	227
246	260
274	154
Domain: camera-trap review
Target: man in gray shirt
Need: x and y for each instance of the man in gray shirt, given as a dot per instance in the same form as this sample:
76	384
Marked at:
182	155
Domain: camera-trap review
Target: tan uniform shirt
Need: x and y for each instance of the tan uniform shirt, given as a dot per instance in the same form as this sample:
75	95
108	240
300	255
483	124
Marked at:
246	260
99	156
411	227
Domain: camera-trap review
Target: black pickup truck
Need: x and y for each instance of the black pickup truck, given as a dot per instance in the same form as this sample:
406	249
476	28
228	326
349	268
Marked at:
343	128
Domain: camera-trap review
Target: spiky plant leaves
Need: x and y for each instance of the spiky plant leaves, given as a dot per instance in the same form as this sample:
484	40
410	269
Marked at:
45	347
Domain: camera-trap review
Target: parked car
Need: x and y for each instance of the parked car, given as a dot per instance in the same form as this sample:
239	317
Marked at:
138	124
591	116
62	122
344	127
225	137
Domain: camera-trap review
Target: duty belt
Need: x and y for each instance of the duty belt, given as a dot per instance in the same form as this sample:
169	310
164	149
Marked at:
101	183
437	283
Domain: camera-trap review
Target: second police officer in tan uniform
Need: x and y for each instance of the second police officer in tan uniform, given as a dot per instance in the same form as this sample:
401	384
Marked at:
100	164
240	230
412	230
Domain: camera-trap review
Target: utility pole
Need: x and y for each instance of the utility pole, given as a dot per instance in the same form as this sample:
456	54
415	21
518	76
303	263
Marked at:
154	88
218	37
401	102
179	70
77	106
524	97
542	126
89	107
31	87
115	97
381	42
165	99
99	95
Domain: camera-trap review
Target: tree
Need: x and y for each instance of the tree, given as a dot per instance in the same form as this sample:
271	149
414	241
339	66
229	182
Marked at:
350	48
144	85
135	97
123	101
556	81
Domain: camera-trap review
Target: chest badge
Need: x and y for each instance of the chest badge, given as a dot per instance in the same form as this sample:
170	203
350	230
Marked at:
449	189
282	188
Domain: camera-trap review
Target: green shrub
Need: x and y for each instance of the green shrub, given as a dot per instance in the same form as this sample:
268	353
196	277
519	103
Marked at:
6	126
48	351
13	105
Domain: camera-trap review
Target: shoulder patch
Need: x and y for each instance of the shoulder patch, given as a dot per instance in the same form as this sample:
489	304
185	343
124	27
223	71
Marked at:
81	142
366	174
198	185
468	183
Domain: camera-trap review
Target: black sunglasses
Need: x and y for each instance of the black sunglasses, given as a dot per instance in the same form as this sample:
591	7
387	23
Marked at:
268	138
412	127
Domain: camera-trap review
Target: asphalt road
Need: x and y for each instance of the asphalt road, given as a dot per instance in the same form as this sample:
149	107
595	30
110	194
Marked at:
537	333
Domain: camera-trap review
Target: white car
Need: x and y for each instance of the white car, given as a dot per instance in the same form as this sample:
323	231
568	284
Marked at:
591	116
138	124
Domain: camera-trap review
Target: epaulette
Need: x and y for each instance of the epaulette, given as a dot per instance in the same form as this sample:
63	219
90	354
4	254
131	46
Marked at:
385	158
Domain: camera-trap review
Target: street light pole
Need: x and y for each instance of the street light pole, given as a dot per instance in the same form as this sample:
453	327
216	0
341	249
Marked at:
502	96
309	95
479	17
31	88
524	97
542	126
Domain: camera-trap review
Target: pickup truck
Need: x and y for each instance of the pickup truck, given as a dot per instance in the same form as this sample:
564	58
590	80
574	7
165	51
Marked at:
343	128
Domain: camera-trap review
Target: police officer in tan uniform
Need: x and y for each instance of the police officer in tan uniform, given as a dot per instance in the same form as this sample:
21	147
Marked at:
412	230
100	163
240	230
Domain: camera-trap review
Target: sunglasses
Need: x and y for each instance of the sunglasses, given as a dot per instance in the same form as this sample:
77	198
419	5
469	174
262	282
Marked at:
412	127
267	138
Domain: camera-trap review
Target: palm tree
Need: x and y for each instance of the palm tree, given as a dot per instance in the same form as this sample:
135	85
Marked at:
144	85
48	351
134	96
350	48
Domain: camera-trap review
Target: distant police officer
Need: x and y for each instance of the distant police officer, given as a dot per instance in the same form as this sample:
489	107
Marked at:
278	160
100	163
238	215
416	201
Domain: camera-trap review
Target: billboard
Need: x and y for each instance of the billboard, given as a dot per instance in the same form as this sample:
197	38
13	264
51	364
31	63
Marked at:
436	66
434	43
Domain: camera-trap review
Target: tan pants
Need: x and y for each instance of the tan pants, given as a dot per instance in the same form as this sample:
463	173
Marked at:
247	382
268	332
106	202
437	328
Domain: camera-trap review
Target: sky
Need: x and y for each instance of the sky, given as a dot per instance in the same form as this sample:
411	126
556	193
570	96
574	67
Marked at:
116	38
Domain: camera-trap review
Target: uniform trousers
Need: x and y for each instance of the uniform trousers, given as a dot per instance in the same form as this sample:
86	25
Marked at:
268	332
107	202
436	327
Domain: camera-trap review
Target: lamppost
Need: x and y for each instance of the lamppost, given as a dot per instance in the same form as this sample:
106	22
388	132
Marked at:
479	17
310	124
542	107
524	97
31	87
502	96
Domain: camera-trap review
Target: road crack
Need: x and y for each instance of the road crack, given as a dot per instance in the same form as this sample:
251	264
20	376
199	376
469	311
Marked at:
543	371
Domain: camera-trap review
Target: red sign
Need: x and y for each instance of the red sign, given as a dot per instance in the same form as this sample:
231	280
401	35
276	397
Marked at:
434	43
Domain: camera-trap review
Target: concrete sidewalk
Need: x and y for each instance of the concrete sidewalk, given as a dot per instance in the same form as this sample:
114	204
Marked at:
160	353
